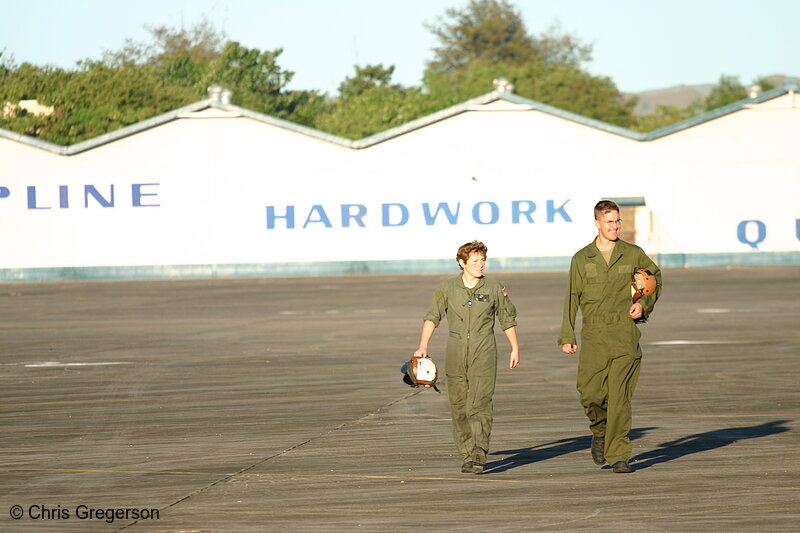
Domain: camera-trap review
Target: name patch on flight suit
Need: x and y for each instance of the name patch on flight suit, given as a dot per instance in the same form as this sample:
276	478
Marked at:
481	297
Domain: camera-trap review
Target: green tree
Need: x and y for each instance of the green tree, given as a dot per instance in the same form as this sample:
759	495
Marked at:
127	86
200	43
727	91
28	82
254	76
665	115
374	110
144	80
369	103
765	84
562	86
485	30
556	48
487	40
366	78
91	100
181	71
6	63
98	99
493	30
259	83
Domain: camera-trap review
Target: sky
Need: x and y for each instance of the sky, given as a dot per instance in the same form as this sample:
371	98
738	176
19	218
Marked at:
640	44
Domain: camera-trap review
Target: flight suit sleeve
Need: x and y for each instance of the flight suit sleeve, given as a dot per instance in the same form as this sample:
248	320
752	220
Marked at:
649	302
571	302
438	306
506	311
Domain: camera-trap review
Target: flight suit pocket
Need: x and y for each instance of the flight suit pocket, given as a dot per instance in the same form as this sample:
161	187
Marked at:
592	292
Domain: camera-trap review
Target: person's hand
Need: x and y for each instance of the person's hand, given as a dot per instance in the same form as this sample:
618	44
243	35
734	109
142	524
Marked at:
421	352
513	360
636	311
569	348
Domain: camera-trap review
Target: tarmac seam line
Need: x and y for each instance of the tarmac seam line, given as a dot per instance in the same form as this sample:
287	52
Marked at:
279	454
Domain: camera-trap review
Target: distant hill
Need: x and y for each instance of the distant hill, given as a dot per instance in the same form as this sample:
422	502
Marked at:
683	95
680	96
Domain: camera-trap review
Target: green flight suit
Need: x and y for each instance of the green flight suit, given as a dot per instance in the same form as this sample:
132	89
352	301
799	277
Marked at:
610	355
471	354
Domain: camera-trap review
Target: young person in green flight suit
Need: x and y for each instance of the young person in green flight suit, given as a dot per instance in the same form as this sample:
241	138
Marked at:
471	301
610	356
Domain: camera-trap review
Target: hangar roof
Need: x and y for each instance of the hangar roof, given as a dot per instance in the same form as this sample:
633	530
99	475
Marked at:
500	99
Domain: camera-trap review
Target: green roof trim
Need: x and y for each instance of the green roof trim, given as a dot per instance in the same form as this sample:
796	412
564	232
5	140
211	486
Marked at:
790	86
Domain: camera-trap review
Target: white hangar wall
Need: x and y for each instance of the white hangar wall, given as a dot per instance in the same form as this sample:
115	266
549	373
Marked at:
218	190
736	181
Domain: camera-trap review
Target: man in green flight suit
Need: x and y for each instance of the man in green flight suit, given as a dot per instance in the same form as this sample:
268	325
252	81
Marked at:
470	302
610	357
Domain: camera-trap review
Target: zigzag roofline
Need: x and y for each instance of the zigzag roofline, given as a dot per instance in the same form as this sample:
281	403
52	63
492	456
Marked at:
372	140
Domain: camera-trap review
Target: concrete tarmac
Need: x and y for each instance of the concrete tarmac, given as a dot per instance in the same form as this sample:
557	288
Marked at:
276	404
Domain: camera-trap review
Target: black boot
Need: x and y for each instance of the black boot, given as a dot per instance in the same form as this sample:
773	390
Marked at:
478	459
598	450
622	467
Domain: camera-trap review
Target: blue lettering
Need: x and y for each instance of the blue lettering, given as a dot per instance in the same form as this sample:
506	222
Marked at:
430	219
316	208
63	196
385	219
136	191
32	199
346	215
399	214
797	228
493	209
516	210
4	192
760	229
91	190
552	210
271	216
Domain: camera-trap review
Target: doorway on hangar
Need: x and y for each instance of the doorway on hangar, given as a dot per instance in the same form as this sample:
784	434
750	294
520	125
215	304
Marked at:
636	219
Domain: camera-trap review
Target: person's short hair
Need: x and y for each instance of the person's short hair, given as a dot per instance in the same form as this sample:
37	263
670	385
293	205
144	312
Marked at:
604	206
465	250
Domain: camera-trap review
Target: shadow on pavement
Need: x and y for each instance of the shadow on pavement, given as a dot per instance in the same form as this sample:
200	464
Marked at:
701	442
543	452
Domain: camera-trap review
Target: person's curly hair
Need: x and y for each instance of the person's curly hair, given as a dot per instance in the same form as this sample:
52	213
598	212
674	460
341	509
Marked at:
465	250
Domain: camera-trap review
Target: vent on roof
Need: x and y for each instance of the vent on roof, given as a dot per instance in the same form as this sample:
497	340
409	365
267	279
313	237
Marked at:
502	85
220	94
